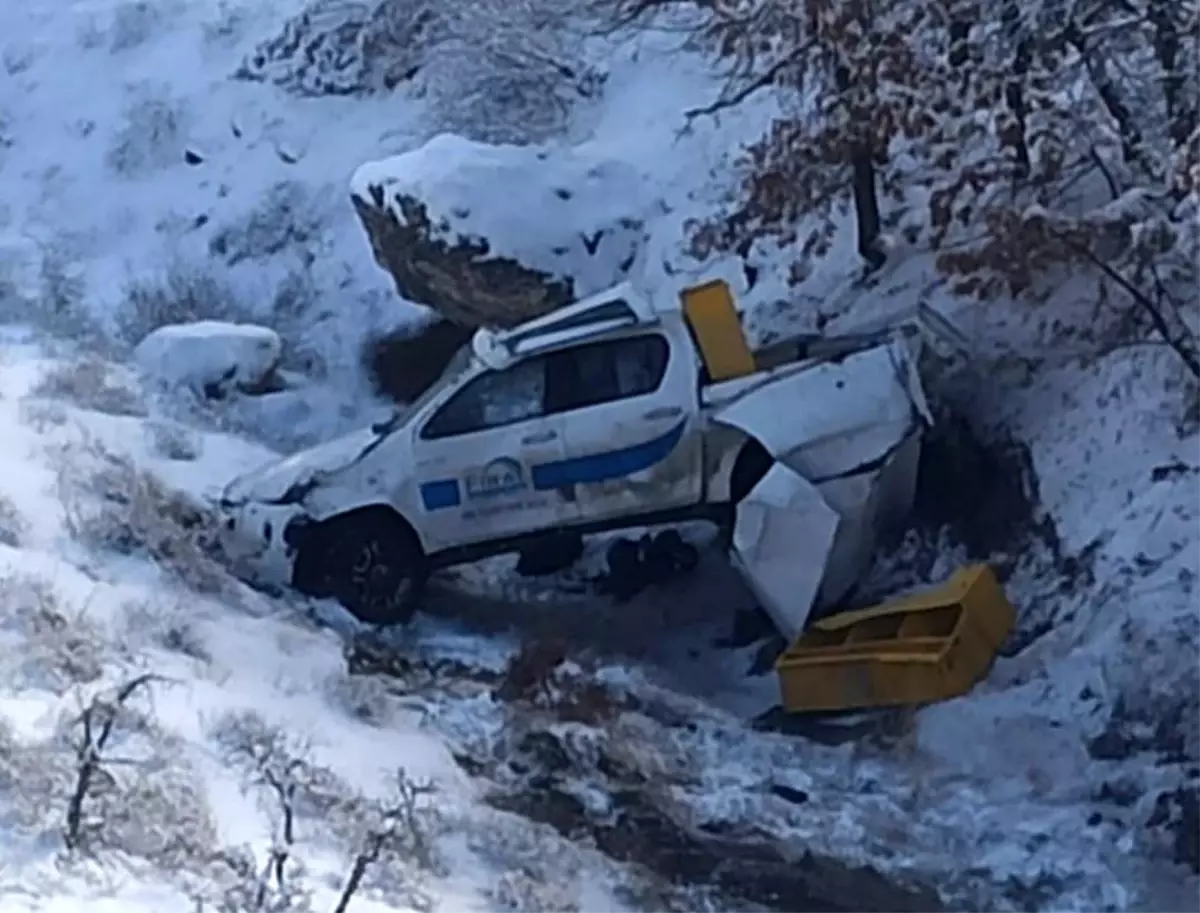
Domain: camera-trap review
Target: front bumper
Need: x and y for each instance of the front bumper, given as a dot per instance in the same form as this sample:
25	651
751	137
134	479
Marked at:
261	539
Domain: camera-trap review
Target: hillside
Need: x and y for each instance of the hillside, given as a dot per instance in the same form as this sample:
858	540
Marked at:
171	161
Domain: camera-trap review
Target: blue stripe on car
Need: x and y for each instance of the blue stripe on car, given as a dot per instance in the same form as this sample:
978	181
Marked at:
612	464
595	467
441	494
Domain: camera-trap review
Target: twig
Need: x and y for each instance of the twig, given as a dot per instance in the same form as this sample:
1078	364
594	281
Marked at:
762	81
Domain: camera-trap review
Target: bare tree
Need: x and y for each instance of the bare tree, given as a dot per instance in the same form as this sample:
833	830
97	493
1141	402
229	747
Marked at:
392	841
96	725
398	828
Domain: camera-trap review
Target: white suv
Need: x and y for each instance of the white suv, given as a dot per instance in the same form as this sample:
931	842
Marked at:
603	415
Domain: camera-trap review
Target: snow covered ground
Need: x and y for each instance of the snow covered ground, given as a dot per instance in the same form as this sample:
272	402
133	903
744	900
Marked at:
138	180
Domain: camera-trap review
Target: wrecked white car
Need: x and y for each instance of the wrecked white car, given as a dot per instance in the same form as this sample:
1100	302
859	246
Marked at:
607	414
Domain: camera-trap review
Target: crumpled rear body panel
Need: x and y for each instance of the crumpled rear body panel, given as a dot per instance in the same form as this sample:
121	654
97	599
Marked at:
846	436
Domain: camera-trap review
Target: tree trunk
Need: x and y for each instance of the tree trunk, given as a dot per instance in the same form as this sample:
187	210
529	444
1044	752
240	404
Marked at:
866	206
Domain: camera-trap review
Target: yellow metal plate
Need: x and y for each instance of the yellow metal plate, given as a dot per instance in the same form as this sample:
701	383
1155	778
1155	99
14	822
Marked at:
715	324
930	646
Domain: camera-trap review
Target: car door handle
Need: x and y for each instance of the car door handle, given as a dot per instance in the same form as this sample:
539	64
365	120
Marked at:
662	412
542	437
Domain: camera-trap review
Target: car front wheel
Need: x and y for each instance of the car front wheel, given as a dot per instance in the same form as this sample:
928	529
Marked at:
370	565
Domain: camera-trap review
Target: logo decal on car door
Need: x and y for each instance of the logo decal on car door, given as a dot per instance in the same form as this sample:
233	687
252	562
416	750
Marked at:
502	476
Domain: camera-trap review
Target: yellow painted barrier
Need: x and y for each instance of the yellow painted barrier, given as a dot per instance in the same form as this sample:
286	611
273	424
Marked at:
717	329
927	647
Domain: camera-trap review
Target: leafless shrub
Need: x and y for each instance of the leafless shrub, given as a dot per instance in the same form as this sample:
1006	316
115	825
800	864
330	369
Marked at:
91	382
112	505
180	293
227	24
502	73
364	697
338	48
165	625
490	70
403	364
42	415
52	645
287	218
391	841
58	303
397	832
13	525
142	802
152	134
173	441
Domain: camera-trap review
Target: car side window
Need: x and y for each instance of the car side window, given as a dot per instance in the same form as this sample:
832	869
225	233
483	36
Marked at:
641	364
492	400
605	372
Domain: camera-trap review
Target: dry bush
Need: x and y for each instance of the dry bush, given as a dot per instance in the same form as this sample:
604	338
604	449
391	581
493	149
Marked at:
501	72
405	363
90	382
13	525
111	505
173	441
57	301
152	135
167	625
178	294
129	812
43	415
288	217
490	70
50	645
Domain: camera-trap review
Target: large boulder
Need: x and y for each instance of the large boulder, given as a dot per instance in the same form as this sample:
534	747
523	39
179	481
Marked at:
212	358
493	235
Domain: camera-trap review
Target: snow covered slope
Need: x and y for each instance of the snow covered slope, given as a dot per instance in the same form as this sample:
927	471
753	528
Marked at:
107	582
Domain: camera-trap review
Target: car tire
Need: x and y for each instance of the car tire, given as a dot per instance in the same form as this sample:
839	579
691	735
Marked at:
372	566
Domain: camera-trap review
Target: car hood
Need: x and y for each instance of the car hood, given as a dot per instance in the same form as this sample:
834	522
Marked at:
292	477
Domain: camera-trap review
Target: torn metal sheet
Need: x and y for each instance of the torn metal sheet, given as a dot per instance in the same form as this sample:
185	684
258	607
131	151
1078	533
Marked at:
846	434
827	418
782	538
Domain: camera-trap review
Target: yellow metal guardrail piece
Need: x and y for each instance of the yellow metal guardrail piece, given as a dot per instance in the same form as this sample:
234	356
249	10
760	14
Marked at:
717	329
926	647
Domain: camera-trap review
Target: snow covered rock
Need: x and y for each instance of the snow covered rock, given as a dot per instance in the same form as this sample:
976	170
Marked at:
494	235
211	357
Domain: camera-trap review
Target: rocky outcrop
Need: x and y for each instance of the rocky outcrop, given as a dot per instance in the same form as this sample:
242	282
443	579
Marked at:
493	235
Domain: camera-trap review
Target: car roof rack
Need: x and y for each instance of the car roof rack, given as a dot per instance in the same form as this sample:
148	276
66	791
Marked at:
617	308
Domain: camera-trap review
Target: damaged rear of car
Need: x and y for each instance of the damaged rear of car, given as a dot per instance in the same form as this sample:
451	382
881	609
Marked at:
844	434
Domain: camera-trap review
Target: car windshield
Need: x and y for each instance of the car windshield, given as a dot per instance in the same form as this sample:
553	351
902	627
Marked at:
459	362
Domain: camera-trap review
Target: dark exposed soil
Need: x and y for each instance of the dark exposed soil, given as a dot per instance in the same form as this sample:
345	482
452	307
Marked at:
743	870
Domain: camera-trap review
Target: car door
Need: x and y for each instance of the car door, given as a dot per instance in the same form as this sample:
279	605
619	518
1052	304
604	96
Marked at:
630	425
476	454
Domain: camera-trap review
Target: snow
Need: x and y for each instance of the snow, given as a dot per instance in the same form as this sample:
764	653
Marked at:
209	355
563	212
995	789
